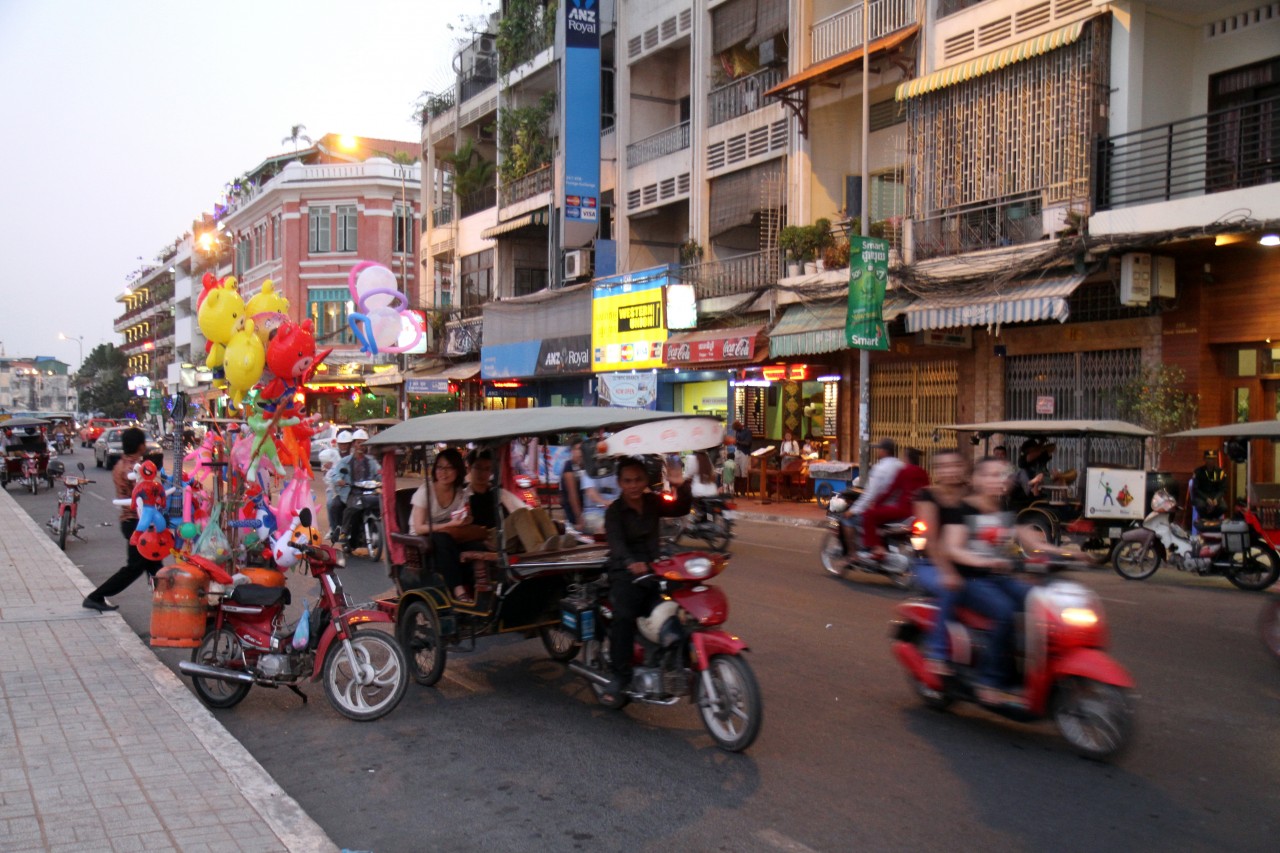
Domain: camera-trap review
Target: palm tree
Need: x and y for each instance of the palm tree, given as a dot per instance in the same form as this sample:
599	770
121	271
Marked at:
296	134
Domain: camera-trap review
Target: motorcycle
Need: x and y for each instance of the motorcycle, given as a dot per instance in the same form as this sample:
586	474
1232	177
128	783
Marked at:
903	541
1237	550
66	519
62	443
680	652
1066	672
247	642
366	500
31	472
709	519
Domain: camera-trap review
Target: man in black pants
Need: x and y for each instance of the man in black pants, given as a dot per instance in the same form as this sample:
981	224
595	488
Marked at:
132	441
631	524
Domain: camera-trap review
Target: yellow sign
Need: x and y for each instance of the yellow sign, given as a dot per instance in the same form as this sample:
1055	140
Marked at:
628	327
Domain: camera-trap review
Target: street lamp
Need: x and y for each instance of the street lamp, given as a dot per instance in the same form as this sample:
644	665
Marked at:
79	341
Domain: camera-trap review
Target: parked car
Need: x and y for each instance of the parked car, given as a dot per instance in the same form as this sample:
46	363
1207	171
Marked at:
326	437
108	449
92	431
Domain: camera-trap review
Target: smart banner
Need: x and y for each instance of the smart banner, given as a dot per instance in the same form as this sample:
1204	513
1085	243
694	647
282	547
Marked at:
628	390
868	279
628	327
580	114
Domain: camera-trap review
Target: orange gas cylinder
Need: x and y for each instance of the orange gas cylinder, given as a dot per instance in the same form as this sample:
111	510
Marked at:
178	607
264	576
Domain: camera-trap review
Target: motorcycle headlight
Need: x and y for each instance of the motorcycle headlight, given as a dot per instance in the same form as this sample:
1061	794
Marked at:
1080	617
698	567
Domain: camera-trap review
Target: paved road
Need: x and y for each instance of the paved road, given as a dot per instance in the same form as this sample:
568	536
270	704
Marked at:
509	752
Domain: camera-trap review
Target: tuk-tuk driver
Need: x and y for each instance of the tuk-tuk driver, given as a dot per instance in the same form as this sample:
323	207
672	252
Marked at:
632	528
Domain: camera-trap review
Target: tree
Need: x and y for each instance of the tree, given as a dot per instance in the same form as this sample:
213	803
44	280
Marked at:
296	134
102	384
1156	399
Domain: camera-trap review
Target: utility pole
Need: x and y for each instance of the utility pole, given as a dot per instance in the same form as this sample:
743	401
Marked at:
864	355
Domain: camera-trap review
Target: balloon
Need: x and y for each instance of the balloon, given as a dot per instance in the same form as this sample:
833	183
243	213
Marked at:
378	299
268	309
386	326
220	315
154	546
245	358
372	285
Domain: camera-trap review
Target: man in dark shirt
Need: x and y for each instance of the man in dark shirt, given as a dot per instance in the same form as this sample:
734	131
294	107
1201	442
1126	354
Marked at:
133	444
631	524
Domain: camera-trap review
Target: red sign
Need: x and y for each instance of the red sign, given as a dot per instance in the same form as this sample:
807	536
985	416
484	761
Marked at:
734	346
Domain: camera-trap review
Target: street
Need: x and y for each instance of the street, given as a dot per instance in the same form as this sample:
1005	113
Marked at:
511	752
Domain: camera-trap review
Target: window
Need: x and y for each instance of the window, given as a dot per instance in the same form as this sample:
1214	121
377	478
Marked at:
259	235
886	114
887	198
318	231
275	236
243	249
403	229
347	228
327	308
477	279
530	281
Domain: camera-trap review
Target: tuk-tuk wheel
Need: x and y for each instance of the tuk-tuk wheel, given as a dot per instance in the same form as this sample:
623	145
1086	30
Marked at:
1042	521
561	645
419	636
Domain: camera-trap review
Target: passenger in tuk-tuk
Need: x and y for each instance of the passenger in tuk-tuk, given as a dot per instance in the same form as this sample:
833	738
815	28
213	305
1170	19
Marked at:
448	510
632	525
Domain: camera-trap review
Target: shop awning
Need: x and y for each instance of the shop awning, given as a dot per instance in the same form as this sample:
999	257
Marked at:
459	372
850	60
1024	303
1037	46
742	344
820	327
537	217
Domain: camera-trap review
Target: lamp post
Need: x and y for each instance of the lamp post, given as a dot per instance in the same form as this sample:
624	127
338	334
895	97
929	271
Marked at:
78	341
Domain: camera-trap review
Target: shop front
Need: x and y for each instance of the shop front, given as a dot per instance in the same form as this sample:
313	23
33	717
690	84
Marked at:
537	350
703	364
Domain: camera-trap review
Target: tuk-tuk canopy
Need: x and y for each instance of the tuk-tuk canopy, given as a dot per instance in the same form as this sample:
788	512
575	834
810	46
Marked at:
506	424
1056	428
1248	429
18	423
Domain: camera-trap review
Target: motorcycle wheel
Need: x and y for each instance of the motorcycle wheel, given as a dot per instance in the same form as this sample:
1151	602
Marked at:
1095	718
1255	570
33	483
219	648
64	527
1135	561
559	643
719	533
1269	626
372	686
906	578
420	638
733	719
373	537
834	560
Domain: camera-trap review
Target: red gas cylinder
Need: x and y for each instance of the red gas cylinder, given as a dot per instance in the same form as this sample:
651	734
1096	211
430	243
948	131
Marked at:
178	607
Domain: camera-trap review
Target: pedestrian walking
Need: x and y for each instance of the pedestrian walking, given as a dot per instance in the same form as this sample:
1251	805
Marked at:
133	442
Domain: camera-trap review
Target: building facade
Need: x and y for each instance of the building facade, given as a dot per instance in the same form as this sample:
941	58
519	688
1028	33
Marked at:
39	384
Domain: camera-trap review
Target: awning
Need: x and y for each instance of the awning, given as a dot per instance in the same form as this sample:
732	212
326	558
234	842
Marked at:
710	346
459	372
1025	303
1037	46
820	327
841	62
537	217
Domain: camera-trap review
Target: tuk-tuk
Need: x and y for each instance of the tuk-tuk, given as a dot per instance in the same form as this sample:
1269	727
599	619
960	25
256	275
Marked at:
1099	485
25	450
545	589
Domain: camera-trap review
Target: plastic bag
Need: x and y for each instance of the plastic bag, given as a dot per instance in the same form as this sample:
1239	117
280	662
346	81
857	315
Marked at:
212	543
302	634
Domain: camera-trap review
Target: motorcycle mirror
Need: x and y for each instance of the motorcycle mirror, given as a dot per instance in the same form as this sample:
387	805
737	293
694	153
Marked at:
80	465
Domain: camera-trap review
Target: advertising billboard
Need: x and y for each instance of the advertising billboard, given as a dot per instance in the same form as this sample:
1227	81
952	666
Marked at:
580	111
628	320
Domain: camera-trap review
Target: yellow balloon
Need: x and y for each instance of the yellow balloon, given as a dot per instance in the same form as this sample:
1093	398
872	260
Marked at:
217	354
221	314
267	301
244	361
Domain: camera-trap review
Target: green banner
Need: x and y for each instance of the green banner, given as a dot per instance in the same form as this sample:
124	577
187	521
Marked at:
868	278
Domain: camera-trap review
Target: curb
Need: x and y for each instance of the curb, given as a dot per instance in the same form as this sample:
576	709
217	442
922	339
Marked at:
282	813
789	520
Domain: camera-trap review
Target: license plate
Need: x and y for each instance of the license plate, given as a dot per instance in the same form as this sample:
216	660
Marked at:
1116	532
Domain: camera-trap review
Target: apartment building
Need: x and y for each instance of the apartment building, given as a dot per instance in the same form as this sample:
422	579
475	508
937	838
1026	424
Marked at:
145	323
35	384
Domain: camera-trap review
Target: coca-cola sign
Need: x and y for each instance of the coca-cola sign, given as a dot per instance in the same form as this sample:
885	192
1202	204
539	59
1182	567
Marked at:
734	346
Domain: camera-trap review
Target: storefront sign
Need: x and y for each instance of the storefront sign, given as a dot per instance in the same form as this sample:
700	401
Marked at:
426	386
1044	405
628	390
549	357
628	323
868	278
580	112
1115	493
732	347
682	307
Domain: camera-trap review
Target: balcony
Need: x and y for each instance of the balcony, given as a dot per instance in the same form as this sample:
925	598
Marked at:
734	276
841	32
1012	222
536	182
480	200
1228	149
742	96
442	216
659	144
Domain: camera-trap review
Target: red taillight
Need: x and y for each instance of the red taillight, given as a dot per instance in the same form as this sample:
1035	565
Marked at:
667	496
919	528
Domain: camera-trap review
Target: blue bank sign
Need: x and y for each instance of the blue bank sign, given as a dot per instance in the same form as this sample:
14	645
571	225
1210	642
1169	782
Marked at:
580	202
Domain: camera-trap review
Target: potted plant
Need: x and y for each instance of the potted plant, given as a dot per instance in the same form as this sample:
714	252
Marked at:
690	252
836	256
790	240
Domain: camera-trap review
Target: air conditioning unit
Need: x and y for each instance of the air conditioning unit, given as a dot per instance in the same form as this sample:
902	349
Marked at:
577	264
771	52
486	45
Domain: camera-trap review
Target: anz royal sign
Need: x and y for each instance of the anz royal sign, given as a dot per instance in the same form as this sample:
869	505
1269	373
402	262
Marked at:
583	20
579	200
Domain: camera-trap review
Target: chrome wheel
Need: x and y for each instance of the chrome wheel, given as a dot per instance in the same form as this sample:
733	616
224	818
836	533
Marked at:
1135	561
368	681
731	710
1095	718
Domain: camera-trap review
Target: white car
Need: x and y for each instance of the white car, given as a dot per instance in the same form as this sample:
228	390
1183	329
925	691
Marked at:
325	438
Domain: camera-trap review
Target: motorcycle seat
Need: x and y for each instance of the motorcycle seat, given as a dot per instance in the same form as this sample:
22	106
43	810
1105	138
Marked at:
974	619
256	595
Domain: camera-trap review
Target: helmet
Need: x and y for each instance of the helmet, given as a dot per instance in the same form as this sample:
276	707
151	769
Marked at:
838	503
55	468
330	455
359	435
344	437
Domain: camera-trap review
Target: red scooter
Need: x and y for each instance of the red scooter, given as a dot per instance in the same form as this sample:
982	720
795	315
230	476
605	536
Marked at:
66	519
680	652
247	643
1066	672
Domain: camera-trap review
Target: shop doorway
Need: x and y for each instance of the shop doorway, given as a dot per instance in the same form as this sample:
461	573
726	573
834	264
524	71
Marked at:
911	399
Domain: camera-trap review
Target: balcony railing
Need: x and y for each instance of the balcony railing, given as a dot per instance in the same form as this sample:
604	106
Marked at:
478	201
1226	149
1012	222
441	215
732	276
537	181
742	96
475	83
842	31
663	142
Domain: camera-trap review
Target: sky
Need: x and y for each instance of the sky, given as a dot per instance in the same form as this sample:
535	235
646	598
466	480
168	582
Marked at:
121	121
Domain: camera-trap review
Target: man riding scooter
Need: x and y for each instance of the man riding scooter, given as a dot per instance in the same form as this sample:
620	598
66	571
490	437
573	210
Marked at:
855	527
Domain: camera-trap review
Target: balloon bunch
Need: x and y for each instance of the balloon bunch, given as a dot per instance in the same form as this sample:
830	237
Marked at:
380	318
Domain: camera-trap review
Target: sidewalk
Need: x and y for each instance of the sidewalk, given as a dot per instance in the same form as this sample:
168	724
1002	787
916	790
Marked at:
101	746
796	513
